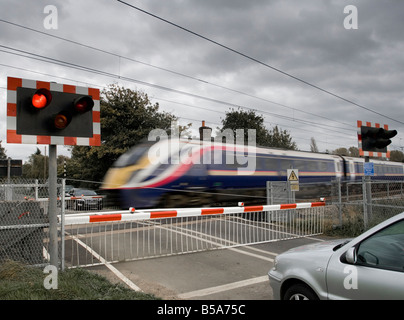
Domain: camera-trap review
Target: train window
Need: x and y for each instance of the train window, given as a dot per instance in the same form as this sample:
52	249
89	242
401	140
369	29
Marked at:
330	166
322	166
269	164
260	163
312	166
338	166
286	164
300	165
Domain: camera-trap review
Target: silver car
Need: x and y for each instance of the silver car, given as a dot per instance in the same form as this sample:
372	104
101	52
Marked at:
370	266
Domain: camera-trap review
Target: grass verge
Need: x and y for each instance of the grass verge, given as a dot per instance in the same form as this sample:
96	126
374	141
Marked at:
21	282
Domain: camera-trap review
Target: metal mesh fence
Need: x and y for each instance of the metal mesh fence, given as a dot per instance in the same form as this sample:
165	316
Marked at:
24	222
366	203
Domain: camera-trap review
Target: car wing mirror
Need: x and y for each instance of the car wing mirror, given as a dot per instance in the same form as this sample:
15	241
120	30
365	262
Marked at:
350	255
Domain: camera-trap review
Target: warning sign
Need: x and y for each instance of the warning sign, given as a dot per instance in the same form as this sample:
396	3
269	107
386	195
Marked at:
293	175
293	179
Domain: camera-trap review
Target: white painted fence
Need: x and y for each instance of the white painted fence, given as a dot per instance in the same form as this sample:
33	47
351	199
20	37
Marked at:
91	239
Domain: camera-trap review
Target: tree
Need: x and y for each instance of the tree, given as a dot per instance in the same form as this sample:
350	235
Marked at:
239	119
341	151
313	145
396	155
127	117
281	139
36	167
351	152
2	152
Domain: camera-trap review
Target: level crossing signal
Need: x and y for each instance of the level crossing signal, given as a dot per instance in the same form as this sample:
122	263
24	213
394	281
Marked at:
376	139
41	112
45	112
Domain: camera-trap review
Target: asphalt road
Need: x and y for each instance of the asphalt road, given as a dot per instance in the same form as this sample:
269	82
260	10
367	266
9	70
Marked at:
226	274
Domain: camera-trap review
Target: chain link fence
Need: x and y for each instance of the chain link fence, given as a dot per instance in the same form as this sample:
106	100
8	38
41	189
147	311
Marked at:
361	205
24	223
24	216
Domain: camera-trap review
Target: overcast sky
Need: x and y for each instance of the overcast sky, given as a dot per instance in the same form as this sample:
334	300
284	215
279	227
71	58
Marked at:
196	79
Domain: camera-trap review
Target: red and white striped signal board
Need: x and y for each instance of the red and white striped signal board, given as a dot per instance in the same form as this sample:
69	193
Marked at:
55	137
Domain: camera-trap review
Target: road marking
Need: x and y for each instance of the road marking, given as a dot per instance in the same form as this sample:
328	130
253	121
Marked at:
260	250
225	287
114	270
251	254
216	243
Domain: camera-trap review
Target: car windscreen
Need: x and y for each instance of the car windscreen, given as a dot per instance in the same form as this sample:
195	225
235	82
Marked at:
86	193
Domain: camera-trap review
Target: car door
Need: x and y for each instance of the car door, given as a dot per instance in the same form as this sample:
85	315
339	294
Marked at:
378	271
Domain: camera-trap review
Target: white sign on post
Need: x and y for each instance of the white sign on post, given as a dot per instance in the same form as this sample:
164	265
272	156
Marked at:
293	179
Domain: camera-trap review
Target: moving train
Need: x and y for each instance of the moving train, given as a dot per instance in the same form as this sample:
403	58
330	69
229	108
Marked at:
175	173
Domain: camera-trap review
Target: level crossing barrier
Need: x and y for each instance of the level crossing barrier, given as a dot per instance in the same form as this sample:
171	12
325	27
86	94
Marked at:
94	238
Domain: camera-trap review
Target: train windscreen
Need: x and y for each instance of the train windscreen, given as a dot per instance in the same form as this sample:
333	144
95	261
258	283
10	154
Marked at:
132	156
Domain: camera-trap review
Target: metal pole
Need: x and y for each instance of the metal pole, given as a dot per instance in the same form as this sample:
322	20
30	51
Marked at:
368	198
365	207
62	204
269	192
8	169
339	186
52	214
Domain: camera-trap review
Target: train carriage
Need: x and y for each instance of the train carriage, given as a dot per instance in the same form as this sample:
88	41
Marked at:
184	173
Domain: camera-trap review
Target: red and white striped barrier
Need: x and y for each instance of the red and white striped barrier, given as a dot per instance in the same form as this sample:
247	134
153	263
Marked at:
132	214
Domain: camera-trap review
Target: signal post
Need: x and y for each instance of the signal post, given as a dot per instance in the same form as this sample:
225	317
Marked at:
372	142
40	112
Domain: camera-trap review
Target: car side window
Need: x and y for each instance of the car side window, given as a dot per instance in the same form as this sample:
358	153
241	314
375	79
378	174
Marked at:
384	249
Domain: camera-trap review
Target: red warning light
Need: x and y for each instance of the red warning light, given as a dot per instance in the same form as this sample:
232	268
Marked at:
41	98
83	104
39	101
